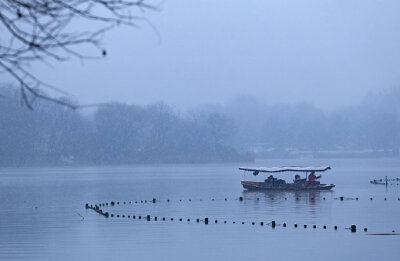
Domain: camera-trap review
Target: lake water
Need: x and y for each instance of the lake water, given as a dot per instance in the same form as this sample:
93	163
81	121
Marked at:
43	215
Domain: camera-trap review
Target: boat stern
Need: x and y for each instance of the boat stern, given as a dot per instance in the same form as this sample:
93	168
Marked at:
250	185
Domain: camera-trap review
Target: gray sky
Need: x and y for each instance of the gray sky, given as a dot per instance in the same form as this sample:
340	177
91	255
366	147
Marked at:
329	52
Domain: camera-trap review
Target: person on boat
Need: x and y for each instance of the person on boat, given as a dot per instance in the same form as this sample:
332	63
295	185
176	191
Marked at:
270	179
299	180
312	178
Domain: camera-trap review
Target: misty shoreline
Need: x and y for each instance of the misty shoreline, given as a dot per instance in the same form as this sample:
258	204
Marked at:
118	133
327	154
252	159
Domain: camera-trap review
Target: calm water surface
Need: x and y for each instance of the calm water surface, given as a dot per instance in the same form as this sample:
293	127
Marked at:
42	213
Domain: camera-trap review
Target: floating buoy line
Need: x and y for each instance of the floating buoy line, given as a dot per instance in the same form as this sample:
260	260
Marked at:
154	200
99	208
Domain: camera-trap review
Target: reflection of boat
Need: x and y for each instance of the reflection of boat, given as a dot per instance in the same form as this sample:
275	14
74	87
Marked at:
273	183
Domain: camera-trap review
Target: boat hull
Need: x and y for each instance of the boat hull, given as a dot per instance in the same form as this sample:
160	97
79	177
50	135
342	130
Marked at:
252	185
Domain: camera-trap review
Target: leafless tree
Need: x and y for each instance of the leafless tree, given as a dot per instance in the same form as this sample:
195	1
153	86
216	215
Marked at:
42	30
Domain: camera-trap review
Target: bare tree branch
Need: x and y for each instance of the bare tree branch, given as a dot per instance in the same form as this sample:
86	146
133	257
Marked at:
41	30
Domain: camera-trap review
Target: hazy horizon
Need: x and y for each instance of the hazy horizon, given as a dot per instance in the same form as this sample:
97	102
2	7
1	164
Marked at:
331	54
135	148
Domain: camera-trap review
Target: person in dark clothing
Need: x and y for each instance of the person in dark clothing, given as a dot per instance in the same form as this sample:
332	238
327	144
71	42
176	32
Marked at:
270	179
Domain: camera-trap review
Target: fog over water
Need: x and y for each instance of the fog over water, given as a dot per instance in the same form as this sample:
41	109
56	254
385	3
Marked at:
174	107
331	53
41	207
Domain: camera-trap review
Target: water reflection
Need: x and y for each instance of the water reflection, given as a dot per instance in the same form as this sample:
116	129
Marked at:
54	229
312	196
308	204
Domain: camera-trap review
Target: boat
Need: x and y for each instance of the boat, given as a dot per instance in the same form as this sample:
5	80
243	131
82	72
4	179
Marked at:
274	184
384	181
378	182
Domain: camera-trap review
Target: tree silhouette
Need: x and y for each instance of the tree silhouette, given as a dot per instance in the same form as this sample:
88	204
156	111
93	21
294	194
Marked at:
41	30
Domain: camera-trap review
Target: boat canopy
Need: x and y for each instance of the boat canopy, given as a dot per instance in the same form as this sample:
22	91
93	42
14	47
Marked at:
256	170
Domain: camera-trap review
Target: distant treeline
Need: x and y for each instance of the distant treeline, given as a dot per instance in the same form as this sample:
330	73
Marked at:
115	134
124	134
373	125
